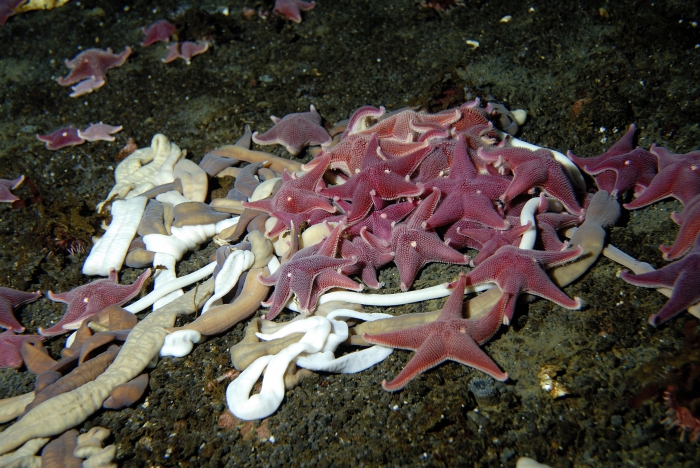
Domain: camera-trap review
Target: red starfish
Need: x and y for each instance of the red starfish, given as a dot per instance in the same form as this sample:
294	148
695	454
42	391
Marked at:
450	337
9	299
405	125
290	9
516	271
689	221
10	346
160	30
89	299
472	115
468	194
6	186
534	169
634	169
607	179
308	273
678	177
67	136
385	179
413	246
369	254
297	195
90	67
295	131
549	223
381	222
681	275
490	240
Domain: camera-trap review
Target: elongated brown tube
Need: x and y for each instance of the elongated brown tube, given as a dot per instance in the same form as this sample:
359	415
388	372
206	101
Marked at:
221	318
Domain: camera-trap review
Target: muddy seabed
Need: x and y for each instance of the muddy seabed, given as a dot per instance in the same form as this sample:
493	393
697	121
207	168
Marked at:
583	72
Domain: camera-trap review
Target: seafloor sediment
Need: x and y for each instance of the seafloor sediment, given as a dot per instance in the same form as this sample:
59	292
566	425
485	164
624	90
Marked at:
582	72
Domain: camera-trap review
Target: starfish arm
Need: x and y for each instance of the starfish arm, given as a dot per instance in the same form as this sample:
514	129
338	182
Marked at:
527	175
325	281
541	285
685	293
662	278
432	352
464	350
7	318
410	338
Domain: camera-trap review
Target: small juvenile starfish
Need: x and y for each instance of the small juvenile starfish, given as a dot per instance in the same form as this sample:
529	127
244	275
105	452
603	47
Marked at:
291	9
9	299
89	299
517	271
99	132
681	275
66	136
160	30
6	186
89	69
450	337
295	131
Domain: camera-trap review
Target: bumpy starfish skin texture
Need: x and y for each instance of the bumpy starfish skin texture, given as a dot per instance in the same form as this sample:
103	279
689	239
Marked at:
534	169
9	300
88	299
518	271
307	274
386	179
295	131
681	275
678	177
368	255
413	246
606	180
689	221
450	337
467	194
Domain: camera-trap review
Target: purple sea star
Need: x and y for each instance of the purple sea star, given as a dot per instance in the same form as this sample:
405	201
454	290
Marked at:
291	9
88	299
450	337
681	275
10	346
6	186
89	69
9	299
295	131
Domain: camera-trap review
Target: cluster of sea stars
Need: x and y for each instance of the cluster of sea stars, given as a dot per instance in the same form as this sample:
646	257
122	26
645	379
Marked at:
411	188
655	175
